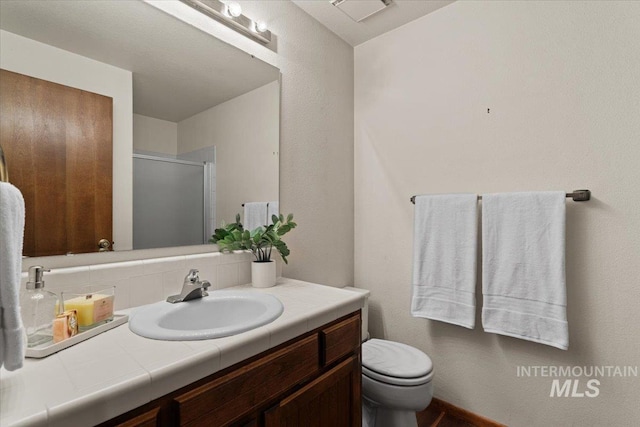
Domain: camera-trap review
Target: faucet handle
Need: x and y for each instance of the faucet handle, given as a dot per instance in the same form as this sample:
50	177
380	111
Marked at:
192	277
204	285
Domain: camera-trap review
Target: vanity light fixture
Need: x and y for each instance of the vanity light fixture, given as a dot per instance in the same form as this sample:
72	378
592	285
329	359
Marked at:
260	26
234	9
231	15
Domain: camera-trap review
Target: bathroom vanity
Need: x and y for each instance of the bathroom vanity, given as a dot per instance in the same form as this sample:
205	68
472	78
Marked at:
301	369
311	380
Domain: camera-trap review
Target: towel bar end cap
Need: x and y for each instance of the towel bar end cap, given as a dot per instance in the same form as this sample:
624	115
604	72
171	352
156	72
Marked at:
581	195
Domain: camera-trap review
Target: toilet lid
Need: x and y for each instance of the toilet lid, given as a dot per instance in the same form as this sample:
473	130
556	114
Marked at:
394	359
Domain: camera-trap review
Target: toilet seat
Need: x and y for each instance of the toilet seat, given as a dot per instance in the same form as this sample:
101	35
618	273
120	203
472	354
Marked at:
395	363
407	382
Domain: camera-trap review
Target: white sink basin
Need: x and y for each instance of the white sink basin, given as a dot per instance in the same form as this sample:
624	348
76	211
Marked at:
221	314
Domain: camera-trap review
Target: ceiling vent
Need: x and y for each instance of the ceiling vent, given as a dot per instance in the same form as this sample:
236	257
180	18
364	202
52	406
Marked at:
358	10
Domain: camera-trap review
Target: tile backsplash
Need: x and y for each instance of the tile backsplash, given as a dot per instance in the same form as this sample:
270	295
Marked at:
151	280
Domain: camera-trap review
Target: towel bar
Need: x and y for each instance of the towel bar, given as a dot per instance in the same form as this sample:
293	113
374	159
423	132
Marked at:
577	196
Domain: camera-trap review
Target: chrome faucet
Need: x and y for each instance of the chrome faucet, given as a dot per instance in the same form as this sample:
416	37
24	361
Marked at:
192	288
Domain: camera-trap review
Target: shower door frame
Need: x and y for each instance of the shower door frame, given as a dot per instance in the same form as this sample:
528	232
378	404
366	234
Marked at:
206	183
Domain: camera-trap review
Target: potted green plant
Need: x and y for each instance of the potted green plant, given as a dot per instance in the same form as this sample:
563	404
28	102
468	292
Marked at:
261	241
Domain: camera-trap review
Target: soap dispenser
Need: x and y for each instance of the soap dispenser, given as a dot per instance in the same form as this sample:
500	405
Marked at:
38	308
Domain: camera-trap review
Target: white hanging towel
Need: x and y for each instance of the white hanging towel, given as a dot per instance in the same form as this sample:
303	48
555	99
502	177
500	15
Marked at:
11	237
444	258
523	279
273	208
255	215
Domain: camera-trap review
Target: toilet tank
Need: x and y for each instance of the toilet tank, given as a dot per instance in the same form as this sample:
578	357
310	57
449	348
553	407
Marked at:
365	310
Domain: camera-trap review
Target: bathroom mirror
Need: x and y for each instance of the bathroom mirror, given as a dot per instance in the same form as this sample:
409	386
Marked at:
195	120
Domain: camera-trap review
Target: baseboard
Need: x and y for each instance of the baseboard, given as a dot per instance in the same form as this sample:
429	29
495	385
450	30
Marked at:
443	412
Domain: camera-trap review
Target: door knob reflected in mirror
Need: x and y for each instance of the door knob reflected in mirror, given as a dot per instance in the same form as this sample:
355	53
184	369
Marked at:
104	245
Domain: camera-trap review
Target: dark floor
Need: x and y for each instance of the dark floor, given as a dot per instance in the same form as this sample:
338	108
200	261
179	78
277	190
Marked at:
436	418
443	414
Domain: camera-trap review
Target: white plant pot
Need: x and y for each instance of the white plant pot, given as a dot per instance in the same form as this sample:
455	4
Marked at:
263	274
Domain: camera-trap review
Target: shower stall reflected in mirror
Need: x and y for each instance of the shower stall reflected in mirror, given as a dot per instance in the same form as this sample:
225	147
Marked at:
173	199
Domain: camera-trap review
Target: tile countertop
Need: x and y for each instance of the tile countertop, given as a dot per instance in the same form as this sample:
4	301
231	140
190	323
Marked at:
118	370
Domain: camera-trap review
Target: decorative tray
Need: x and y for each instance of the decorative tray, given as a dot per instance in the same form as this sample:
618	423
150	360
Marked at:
47	349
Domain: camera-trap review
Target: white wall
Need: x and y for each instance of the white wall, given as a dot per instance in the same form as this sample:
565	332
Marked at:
316	132
561	82
245	131
32	58
155	135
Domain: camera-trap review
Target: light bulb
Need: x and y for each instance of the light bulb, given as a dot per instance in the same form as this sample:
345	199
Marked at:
260	26
234	9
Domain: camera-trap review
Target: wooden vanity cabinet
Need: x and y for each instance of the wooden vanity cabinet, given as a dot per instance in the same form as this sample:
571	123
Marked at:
312	380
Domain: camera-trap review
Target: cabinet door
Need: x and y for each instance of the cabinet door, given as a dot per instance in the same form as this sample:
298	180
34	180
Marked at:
331	400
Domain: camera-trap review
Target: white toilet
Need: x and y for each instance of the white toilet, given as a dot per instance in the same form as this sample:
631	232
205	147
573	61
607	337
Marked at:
396	380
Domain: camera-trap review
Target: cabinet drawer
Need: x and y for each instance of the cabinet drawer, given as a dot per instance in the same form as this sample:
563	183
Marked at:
340	339
232	396
147	419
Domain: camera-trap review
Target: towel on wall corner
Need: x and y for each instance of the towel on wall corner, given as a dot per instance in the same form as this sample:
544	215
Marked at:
444	258
273	208
12	343
523	258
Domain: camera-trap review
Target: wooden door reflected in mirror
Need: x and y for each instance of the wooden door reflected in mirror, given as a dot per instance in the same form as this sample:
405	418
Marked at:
57	142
